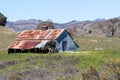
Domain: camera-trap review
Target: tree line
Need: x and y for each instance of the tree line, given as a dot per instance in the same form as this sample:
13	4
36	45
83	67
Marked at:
3	19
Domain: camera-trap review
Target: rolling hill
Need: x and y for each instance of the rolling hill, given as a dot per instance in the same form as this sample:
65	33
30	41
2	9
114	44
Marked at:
98	56
98	27
6	37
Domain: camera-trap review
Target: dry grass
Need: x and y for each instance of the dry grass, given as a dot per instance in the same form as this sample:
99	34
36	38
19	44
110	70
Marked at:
6	37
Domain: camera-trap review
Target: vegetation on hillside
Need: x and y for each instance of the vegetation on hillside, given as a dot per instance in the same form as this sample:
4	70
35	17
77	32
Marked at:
98	28
84	65
6	37
97	43
102	28
97	59
3	19
45	25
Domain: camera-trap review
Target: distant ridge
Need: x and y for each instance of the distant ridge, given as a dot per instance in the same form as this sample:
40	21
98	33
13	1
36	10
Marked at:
98	27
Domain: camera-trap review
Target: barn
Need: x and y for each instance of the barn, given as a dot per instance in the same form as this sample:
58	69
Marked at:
43	41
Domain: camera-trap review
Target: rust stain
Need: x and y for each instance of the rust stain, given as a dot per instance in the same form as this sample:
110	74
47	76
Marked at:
30	38
24	44
33	34
54	34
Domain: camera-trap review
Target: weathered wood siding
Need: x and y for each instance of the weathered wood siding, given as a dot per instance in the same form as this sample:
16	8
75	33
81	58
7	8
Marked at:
69	45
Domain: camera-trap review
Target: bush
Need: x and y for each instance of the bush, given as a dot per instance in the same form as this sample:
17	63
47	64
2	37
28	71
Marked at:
90	31
46	25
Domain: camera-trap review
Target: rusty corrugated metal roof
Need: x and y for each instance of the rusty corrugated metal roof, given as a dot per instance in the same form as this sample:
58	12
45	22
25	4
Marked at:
54	34
31	38
33	34
24	44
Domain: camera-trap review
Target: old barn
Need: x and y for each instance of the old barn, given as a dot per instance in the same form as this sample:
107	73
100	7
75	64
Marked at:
43	41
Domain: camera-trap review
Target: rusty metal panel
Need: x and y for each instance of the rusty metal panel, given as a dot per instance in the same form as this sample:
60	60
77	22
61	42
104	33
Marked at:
33	34
42	44
54	34
24	44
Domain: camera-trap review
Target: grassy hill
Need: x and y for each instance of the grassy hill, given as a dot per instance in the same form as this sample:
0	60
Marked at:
6	37
97	43
97	57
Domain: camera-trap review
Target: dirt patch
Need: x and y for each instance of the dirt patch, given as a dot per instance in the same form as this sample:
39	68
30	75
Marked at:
6	64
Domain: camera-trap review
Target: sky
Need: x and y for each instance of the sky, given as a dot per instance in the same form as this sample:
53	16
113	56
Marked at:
60	11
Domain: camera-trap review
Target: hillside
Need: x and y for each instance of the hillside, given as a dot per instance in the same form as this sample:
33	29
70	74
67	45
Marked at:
98	56
6	37
98	27
22	25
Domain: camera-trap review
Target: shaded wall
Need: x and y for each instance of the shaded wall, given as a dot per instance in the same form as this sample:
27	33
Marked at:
33	50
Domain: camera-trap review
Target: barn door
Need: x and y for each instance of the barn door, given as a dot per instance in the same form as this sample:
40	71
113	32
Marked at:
64	45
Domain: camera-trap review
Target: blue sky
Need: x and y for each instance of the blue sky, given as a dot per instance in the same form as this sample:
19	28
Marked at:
59	10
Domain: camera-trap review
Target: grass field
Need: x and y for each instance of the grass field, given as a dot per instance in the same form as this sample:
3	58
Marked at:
97	56
6	37
97	43
81	60
63	63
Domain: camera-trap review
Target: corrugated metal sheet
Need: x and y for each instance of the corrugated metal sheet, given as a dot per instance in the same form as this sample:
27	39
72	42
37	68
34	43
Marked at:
33	38
24	44
55	34
33	34
41	44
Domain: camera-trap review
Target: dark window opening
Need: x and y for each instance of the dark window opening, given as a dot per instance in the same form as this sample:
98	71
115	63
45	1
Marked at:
64	45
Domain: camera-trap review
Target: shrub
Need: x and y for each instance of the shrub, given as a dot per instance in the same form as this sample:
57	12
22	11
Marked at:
90	31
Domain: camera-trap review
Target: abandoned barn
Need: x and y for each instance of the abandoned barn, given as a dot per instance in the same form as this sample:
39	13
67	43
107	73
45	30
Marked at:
42	41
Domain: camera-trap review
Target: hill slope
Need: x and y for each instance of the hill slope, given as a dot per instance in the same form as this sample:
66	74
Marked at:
99	27
6	37
63	66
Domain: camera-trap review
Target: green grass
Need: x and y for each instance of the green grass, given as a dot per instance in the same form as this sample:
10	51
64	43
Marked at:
100	43
80	61
86	56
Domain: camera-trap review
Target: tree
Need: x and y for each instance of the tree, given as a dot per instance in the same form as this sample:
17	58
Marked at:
89	31
46	25
3	19
110	27
113	26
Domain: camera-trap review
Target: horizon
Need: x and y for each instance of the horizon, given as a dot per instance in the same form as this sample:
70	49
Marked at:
62	11
63	22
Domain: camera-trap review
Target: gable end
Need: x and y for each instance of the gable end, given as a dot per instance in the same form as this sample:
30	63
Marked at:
62	36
